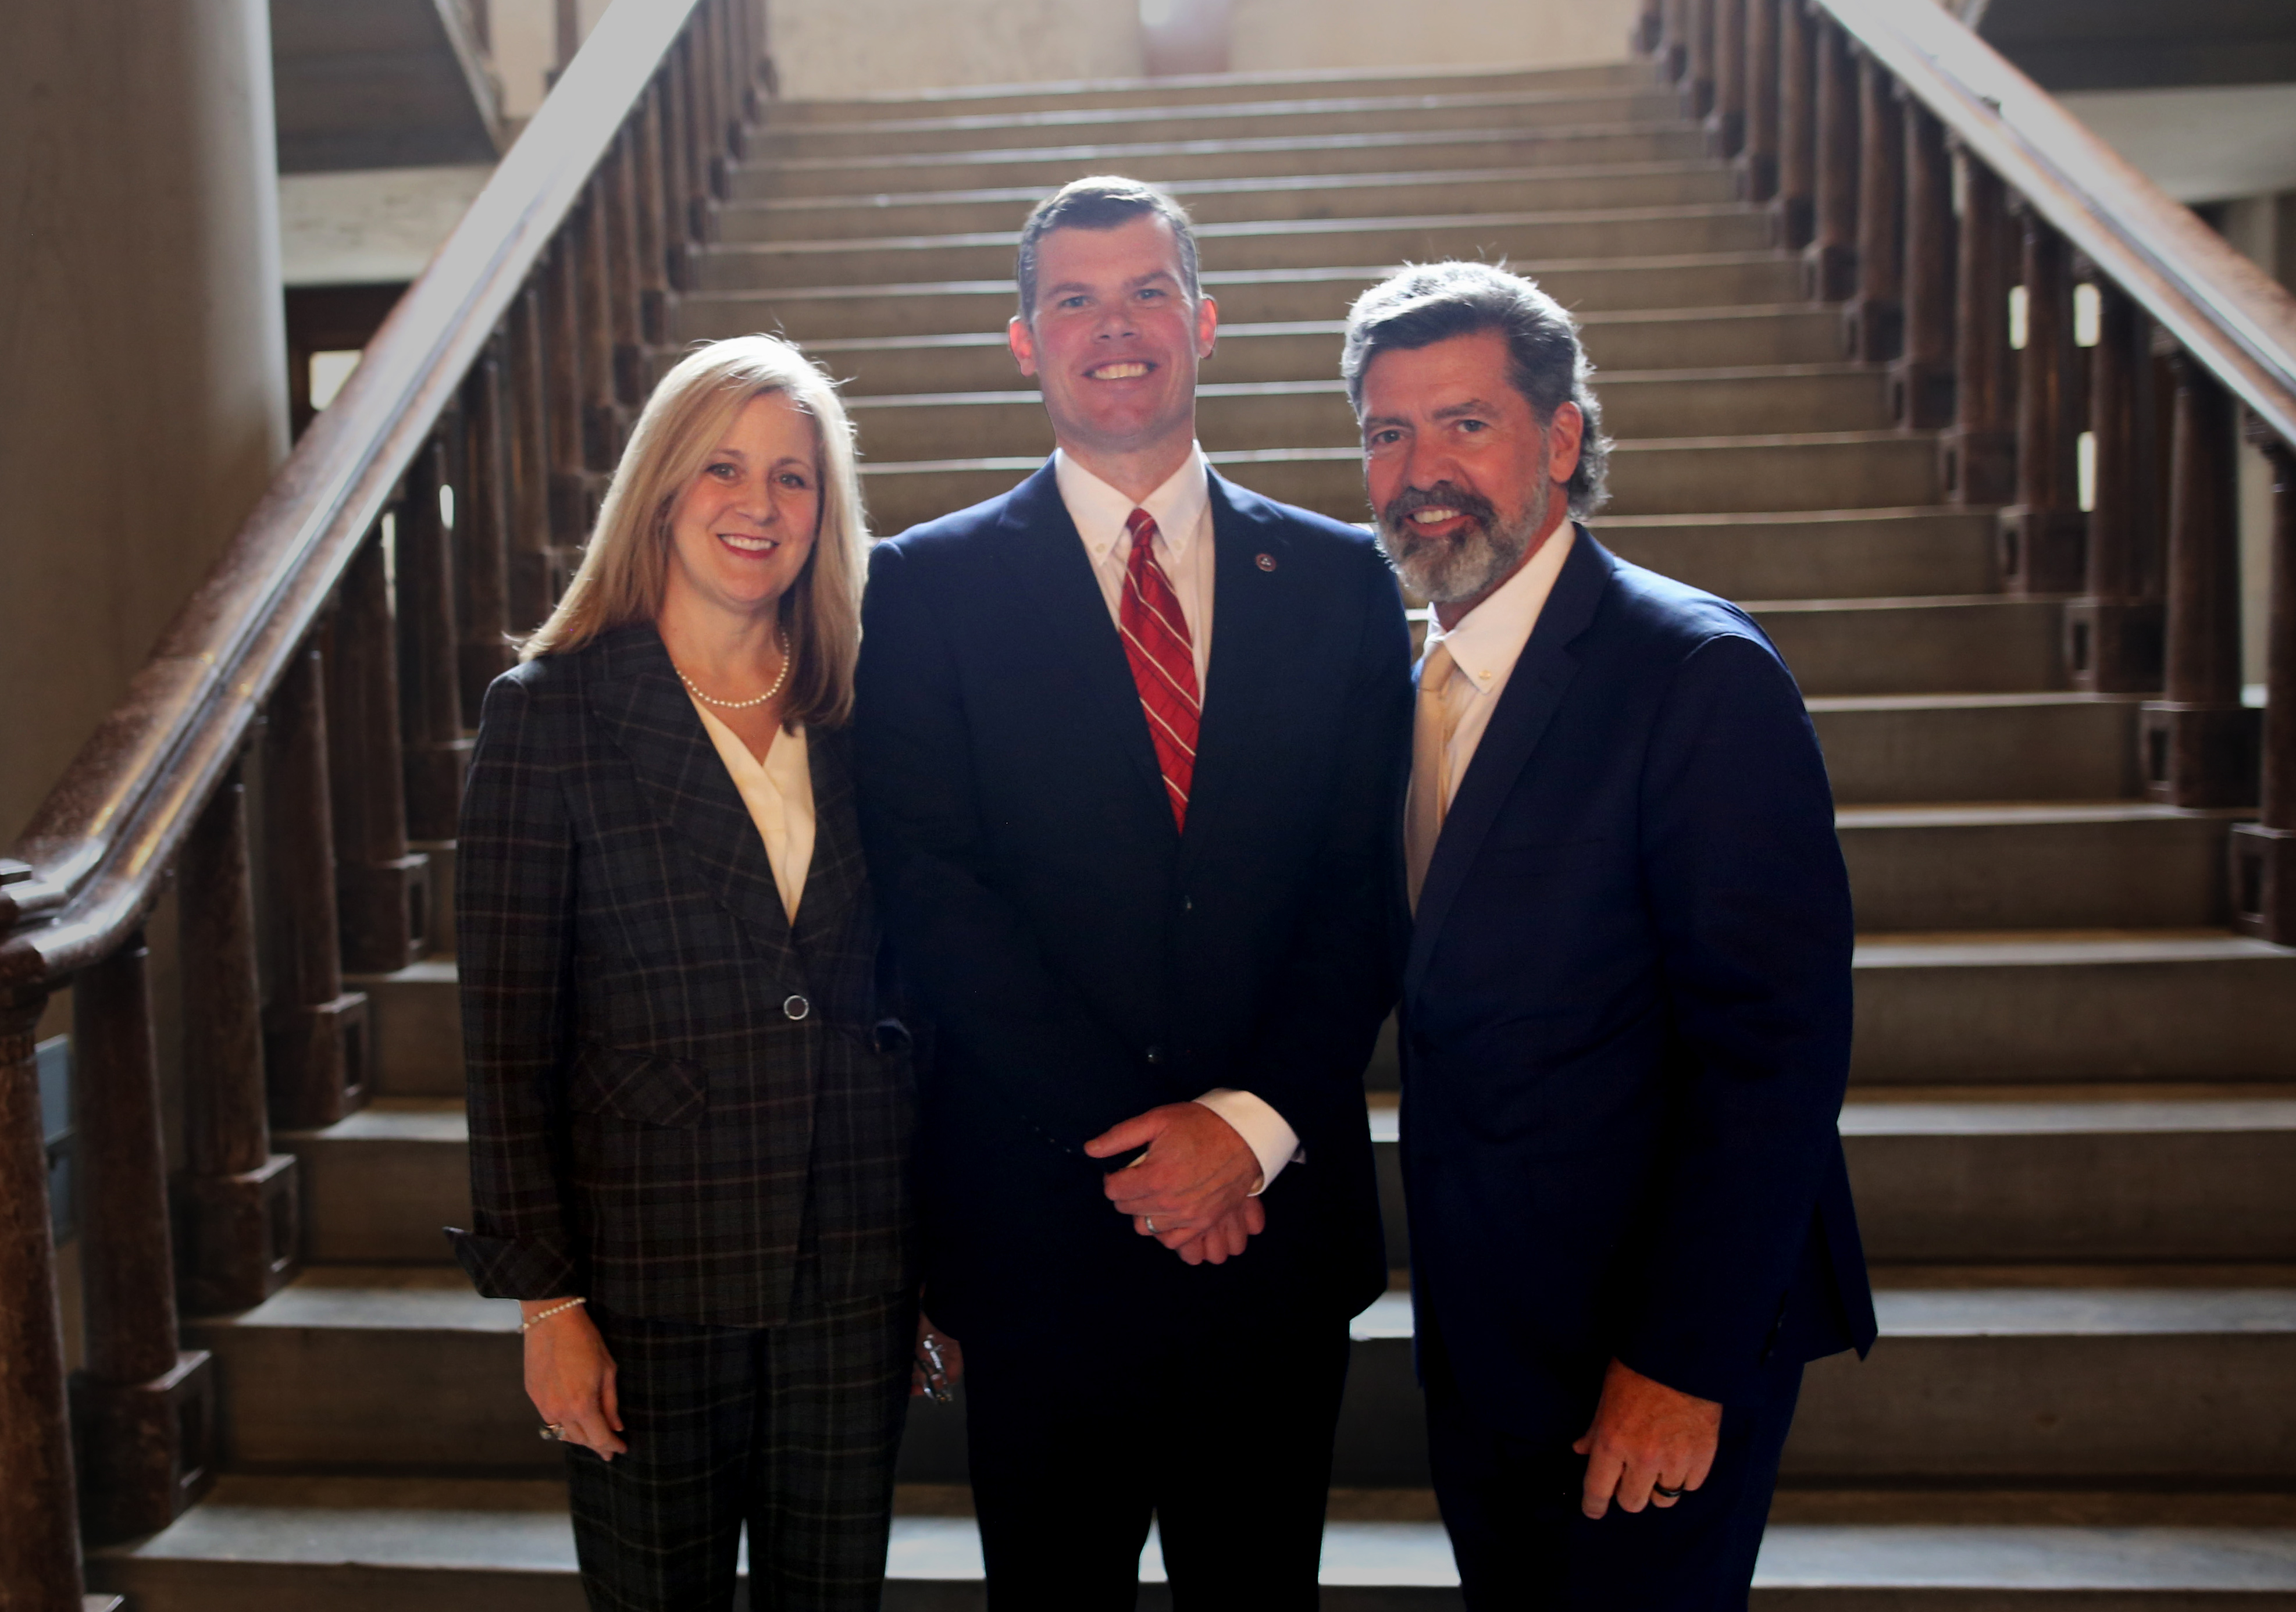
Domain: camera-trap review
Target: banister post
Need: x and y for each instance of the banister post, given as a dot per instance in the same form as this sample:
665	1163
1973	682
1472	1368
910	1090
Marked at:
656	293
1650	27
145	1411
1978	453
1674	42
1873	323
1794	207
602	411
2264	852
242	1236
39	1530
2199	743
1921	378
1830	263
2112	631
562	347
2043	537
482	527
317	1039
1758	155
430	680
1698	84
618	189
1725	125
382	888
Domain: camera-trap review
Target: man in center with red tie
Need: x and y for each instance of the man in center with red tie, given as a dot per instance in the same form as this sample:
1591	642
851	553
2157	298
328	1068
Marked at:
1129	743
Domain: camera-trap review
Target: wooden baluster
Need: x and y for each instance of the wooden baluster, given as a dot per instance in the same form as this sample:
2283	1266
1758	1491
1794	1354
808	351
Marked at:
1794	209
709	78
650	200
570	467
1921	378
1698	85
686	148
39	1531
2264	853
1979	454
2199	743
316	1034
749	52
482	527
602	412
1649	27
1873	323
736	77
534	471
430	680
1757	154
1726	126
1830	263
1674	42
2044	535
382	887
676	197
241	1238
618	189
145	1411
2112	632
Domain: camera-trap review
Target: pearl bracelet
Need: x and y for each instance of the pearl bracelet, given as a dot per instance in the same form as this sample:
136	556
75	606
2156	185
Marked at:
539	1316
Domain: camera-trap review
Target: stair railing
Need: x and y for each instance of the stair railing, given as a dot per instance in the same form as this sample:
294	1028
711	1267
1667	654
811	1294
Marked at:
334	658
2080	341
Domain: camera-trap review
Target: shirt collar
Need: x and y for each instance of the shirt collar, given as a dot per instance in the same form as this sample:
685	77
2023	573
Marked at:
1490	638
1100	510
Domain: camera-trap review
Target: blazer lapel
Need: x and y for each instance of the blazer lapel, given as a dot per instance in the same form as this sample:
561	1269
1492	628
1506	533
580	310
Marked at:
1527	704
1040	547
636	693
832	880
1254	641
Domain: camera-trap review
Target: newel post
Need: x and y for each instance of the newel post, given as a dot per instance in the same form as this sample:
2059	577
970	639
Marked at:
2044	535
39	1530
2200	742
145	1411
2112	631
2264	853
1921	377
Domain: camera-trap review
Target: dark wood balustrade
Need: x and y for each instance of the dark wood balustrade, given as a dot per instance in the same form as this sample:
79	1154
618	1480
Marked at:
1924	180
336	655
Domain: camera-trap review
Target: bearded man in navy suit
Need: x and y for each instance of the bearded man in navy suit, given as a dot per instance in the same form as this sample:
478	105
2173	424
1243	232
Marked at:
1130	743
1626	1008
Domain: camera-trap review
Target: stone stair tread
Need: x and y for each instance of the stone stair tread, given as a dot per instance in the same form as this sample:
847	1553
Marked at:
2048	950
1917	601
2015	814
397	1119
1624	75
2072	1110
427	1298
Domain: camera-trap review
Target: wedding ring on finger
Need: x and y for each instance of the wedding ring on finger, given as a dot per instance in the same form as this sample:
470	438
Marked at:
1150	1222
1663	1493
554	1432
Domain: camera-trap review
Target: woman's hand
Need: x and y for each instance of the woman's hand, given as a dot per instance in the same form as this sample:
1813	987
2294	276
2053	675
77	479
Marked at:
570	1376
939	1363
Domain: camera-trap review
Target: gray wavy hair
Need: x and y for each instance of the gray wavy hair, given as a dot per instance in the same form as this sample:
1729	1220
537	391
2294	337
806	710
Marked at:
1432	302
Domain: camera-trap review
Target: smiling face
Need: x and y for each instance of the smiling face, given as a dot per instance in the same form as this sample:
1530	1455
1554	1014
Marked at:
1114	341
743	528
1465	482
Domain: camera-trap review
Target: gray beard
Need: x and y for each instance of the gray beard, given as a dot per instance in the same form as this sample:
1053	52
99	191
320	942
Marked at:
1445	571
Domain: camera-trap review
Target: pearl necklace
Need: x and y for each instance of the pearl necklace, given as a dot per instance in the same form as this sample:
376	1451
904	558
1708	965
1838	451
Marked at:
779	678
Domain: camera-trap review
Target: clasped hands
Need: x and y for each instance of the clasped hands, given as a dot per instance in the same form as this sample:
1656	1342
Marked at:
1192	1189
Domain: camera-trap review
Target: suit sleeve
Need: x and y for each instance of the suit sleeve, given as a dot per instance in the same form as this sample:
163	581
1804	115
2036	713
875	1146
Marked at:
515	900
970	949
1339	980
1745	880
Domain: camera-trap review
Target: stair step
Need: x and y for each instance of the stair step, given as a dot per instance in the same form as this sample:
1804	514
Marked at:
1918	748
1986	644
1254	198
417	1021
381	1186
834	312
2081	1006
1814	553
1719	228
1046	168
1292	119
2125	865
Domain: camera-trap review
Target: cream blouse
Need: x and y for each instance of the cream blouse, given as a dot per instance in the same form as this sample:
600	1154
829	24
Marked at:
779	793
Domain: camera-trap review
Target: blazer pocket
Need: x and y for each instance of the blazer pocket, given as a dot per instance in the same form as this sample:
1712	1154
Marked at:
644	1088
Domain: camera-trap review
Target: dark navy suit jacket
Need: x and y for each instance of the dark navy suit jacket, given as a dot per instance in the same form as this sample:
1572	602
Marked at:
1627	1013
1082	959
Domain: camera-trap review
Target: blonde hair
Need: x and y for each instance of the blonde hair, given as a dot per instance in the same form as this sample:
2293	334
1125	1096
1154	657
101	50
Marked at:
627	565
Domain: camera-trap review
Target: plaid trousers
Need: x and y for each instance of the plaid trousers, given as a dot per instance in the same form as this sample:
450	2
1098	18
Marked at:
791	1430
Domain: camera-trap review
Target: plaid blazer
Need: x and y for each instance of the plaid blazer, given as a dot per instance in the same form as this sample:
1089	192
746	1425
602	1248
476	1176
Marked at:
675	1094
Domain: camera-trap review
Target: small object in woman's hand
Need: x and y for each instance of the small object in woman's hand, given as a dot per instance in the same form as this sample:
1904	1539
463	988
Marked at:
936	1369
552	1432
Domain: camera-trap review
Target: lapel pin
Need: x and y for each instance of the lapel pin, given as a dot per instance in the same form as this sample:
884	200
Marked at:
1266	562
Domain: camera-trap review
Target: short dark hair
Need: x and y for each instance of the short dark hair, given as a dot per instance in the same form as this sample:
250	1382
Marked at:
1101	202
1433	302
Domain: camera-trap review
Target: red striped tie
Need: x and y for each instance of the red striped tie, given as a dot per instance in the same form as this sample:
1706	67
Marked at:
1163	662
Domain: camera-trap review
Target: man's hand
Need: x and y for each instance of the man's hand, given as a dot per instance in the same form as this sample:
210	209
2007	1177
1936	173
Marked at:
1646	1435
1193	1181
570	1376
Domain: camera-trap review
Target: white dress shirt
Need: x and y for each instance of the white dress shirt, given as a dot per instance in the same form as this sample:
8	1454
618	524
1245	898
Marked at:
1483	649
779	793
1182	508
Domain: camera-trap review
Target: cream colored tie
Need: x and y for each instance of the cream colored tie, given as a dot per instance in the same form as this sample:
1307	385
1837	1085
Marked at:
1430	743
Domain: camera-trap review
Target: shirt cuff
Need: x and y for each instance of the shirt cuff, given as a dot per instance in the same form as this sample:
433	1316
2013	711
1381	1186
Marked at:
1271	1141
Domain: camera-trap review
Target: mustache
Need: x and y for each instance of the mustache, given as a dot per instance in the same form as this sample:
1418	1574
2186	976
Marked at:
1443	494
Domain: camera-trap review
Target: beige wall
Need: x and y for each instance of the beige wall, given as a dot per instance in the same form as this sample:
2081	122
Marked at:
1278	34
143	354
826	49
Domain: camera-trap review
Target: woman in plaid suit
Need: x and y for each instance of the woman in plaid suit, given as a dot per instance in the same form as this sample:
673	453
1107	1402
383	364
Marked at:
691	1107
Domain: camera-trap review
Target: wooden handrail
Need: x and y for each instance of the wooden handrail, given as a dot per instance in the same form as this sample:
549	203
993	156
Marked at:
112	826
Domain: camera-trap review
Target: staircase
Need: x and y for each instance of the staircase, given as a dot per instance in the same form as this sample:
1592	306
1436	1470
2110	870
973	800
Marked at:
2072	1123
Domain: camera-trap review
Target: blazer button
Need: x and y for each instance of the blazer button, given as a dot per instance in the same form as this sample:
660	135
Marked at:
797	1007
1155	1054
